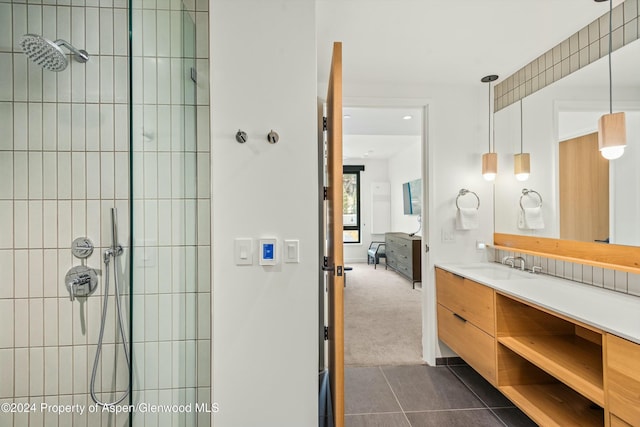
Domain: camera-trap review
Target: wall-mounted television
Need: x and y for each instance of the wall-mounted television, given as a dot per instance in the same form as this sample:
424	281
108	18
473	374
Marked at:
412	197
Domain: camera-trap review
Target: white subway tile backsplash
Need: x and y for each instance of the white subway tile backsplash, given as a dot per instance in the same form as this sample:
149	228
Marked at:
621	281
609	279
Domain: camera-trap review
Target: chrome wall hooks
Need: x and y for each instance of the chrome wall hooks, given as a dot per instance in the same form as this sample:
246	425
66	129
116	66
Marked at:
273	137
241	136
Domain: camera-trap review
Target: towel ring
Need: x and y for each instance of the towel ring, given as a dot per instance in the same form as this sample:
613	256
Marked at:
527	192
464	192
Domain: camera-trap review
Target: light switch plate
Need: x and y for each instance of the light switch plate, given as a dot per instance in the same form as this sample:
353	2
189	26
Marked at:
291	251
243	251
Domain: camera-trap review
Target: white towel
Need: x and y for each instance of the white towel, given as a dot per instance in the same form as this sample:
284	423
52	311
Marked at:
531	218
467	219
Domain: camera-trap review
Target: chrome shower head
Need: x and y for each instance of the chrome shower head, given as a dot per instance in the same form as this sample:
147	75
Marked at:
48	54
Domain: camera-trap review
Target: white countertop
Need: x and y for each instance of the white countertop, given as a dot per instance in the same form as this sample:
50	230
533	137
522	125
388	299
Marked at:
604	309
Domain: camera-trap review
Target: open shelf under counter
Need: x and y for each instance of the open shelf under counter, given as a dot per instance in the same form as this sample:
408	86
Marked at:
554	404
573	360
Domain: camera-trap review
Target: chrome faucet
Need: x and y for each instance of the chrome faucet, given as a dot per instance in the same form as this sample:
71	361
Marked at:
508	260
522	262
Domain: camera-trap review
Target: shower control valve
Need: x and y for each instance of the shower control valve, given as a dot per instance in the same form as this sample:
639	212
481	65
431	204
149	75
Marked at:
81	281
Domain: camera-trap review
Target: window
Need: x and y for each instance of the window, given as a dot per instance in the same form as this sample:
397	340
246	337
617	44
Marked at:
351	203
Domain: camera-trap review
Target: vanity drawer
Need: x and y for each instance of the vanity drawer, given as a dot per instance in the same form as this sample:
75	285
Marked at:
471	300
475	346
623	379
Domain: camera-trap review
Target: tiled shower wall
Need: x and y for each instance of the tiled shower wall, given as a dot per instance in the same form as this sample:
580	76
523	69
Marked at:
64	163
584	47
171	193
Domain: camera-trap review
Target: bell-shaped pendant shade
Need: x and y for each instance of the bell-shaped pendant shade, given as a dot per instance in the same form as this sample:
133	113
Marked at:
489	166
612	135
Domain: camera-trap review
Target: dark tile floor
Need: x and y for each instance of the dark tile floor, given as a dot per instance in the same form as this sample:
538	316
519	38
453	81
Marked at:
421	395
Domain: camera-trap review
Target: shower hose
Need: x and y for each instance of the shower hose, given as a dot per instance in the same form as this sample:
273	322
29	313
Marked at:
107	258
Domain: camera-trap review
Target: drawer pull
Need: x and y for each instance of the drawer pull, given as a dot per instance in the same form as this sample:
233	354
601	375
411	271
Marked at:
460	317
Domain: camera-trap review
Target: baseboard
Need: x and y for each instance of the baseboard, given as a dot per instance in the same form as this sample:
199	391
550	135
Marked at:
450	361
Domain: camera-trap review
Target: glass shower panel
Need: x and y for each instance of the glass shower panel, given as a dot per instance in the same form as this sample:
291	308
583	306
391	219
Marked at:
170	331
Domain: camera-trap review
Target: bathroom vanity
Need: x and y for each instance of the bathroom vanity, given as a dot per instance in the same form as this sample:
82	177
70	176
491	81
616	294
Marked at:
567	354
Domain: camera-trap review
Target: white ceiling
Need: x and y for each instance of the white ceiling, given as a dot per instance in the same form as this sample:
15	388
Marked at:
436	42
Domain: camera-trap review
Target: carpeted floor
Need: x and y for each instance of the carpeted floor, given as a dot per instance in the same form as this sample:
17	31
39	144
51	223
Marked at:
382	318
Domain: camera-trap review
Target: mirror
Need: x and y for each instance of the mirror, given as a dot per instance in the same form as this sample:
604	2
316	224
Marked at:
562	111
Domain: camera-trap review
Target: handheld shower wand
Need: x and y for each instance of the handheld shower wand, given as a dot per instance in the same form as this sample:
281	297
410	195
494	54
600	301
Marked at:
114	251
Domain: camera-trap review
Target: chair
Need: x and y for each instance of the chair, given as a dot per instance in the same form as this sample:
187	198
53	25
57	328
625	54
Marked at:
375	252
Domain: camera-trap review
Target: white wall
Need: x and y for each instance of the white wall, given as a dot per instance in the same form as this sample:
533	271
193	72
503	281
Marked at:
374	171
405	166
265	319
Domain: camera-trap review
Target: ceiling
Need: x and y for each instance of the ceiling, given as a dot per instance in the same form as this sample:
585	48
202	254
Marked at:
435	42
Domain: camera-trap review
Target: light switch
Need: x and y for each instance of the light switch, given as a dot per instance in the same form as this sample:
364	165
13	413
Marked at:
243	251
292	251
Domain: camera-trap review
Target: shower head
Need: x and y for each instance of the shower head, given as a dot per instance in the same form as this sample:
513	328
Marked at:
48	54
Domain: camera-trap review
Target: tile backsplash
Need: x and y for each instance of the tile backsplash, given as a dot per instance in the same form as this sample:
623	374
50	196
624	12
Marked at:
619	281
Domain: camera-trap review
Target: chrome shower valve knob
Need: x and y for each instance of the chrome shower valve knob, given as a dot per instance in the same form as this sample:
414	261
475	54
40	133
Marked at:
81	281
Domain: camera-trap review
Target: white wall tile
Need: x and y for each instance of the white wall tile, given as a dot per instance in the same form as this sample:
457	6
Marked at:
191	316
64	175
149	34
151	365
49	175
20	175
598	276
6	218
50	88
150	83
64	127
191	359
6	320
6	174
178	332
21	322
634	284
51	323
120	32
20	85
6	28
620	278
164	362
21	281
20	126
106	79
92	36
202	35
6	125
93	69
6	374
204	178
78	80
21	378
204	362
150	175
36	322
78	219
65	323
78	137
80	369
151	317
203	129
164	81
21	224
64	84
35	224
6	266
106	31
121	77
36	372
65	382
609	279
36	268
92	127
204	269
93	175
121	124
107	177
204	222
50	282
204	316
78	175
35	126
51	363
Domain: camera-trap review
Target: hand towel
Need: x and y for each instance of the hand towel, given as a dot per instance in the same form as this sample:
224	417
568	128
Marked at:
531	218
467	219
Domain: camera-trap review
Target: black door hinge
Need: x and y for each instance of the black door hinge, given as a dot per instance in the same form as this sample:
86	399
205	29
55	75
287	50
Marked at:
325	191
326	266
326	333
325	125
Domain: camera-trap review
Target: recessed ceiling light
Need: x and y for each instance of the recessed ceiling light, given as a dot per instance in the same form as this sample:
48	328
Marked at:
346	116
407	117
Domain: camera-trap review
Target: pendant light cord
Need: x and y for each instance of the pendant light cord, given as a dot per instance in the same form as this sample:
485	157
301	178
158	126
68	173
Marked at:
489	117
610	47
521	134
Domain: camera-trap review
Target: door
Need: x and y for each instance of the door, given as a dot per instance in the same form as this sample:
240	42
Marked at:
584	190
334	237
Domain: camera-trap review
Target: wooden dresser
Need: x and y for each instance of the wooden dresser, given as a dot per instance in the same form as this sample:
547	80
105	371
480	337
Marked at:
403	255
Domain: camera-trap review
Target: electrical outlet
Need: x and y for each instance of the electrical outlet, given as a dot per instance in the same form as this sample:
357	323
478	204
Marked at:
448	236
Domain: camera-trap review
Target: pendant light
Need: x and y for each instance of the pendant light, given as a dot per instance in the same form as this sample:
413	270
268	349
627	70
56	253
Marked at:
521	163
490	159
612	131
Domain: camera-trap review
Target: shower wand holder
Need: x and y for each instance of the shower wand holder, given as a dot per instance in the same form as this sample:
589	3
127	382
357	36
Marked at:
81	281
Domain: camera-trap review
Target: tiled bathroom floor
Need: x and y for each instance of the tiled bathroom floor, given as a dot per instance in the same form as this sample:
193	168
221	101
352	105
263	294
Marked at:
421	395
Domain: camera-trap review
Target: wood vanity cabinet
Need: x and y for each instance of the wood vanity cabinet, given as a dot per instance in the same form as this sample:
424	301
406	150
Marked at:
558	370
622	366
466	321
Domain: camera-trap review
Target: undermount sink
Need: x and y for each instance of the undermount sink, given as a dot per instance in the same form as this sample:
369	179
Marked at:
497	272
